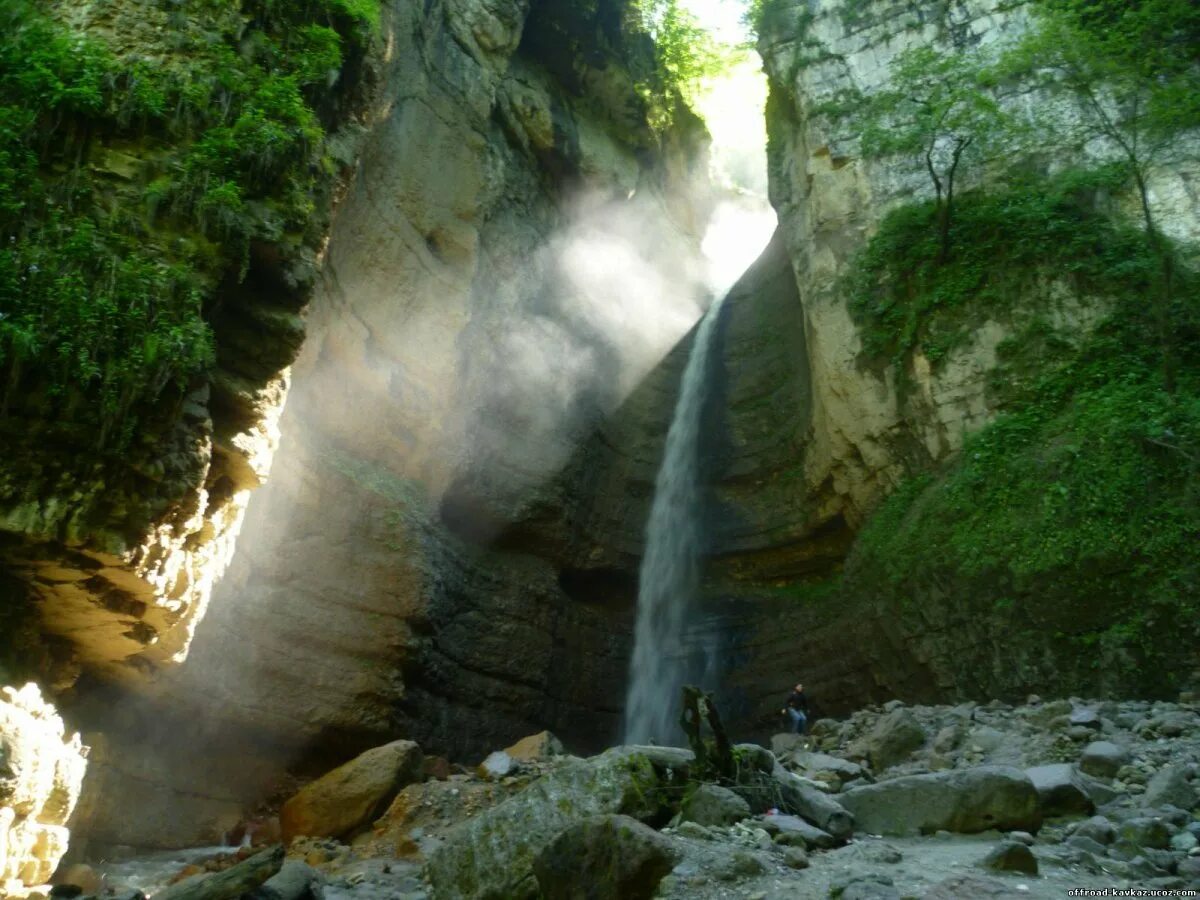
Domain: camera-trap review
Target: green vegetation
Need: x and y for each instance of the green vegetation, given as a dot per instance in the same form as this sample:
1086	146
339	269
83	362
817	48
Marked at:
1076	512
684	54
1008	244
131	186
1134	70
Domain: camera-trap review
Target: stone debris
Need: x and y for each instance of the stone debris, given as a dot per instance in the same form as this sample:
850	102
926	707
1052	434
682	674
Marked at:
999	803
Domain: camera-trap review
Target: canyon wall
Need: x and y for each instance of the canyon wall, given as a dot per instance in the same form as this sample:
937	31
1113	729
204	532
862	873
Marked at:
517	253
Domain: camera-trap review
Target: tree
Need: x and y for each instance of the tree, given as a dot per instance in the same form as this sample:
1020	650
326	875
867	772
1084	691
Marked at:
936	104
1133	68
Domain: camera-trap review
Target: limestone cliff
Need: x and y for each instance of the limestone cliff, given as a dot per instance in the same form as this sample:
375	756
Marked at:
518	250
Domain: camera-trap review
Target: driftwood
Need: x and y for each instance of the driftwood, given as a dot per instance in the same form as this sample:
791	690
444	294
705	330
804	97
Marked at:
715	758
230	884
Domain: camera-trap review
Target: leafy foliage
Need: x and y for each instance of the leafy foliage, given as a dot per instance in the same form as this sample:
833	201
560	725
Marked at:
109	254
1134	70
938	106
685	54
903	295
1087	490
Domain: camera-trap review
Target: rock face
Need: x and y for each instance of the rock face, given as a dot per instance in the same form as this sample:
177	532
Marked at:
352	795
968	801
41	770
518	251
118	555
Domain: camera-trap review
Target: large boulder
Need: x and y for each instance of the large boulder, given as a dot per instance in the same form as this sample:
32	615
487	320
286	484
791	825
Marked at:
41	771
892	740
352	795
1061	790
1171	786
604	858
967	801
491	856
711	804
535	747
1103	759
798	796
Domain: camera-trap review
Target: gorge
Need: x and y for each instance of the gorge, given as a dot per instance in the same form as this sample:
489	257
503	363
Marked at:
430	440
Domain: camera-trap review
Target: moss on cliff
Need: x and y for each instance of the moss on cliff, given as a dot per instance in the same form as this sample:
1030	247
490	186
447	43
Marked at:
136	172
1076	512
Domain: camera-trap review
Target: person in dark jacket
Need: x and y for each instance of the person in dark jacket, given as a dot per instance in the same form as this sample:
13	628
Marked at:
797	709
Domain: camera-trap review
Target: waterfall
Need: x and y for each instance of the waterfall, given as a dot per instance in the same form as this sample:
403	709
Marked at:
670	572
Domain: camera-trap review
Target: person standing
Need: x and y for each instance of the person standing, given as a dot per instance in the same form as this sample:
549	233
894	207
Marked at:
796	709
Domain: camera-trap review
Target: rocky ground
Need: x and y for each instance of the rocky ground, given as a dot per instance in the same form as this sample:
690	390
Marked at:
926	802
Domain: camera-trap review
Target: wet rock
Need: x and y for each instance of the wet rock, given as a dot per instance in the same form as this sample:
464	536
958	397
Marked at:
534	747
609	857
1172	786
1060	790
967	801
1103	759
492	854
352	795
712	804
1011	856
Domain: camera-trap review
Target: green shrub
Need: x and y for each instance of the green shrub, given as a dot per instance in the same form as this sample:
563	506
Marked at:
103	285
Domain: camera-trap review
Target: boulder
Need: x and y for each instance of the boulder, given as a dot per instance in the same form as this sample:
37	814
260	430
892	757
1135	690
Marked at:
492	854
1060	790
1170	786
893	739
352	795
967	801
535	746
497	766
711	804
831	770
610	857
796	796
1145	832
1085	717
295	880
231	884
1011	856
794	831
1098	829
1103	759
795	858
783	744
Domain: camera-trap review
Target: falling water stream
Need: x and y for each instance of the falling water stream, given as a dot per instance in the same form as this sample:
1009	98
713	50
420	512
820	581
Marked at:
670	574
